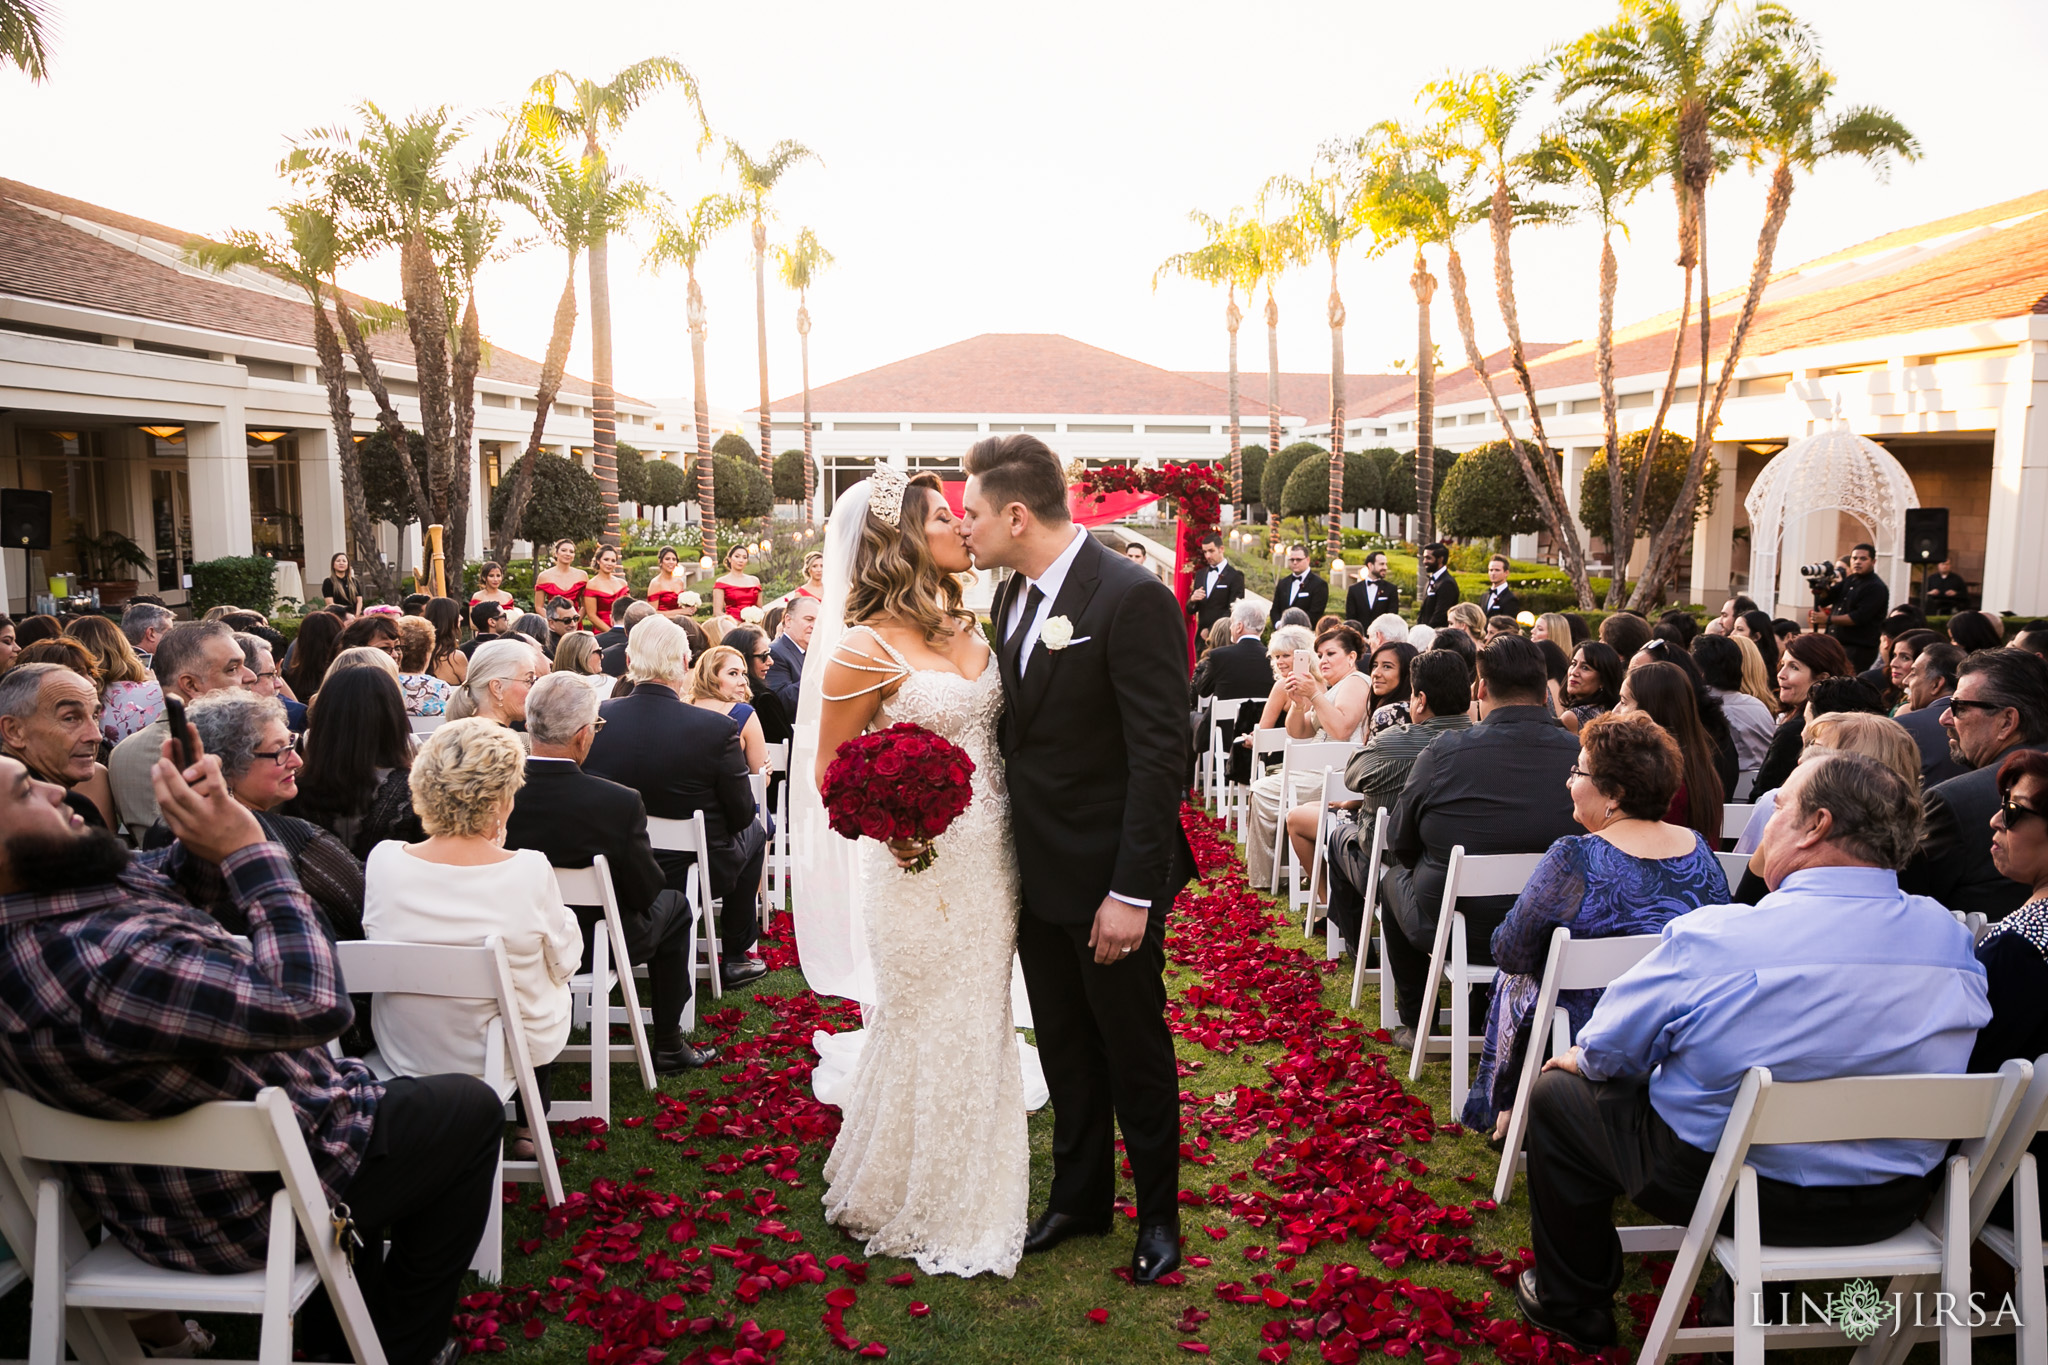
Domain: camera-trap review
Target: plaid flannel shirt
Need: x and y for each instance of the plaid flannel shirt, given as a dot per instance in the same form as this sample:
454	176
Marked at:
124	1001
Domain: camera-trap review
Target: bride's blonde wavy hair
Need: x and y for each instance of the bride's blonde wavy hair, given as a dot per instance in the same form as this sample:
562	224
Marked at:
894	574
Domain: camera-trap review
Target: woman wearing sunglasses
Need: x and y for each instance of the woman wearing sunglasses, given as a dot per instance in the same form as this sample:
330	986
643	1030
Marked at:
2015	951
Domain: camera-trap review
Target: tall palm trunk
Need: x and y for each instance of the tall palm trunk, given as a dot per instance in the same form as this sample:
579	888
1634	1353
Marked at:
1670	538
426	319
803	336
604	416
1335	543
1233	318
1632	522
707	506
1548	481
1272	403
469	352
1619	520
361	531
761	340
1424	285
388	420
551	368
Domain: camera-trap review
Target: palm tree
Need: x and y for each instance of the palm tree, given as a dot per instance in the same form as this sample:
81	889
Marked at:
1609	160
801	265
474	240
757	182
1325	212
681	242
24	37
560	107
1479	113
1225	257
1786	123
307	255
1273	246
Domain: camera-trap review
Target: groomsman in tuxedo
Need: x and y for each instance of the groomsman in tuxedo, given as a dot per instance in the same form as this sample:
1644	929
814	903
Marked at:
1374	595
1499	599
1439	589
1217	587
1303	587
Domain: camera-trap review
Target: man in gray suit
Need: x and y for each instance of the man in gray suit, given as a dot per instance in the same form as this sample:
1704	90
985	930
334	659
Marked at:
1930	686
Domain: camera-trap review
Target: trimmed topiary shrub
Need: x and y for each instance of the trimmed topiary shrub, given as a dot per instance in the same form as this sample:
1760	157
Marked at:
739	490
1307	493
668	484
1486	496
734	446
632	474
384	479
235	581
1397	489
565	505
1254	457
789	476
1667	472
1273	478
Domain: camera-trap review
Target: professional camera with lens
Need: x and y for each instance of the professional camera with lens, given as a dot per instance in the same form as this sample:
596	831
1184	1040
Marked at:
1823	578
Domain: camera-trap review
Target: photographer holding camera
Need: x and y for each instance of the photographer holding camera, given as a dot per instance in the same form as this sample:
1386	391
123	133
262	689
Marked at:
1853	609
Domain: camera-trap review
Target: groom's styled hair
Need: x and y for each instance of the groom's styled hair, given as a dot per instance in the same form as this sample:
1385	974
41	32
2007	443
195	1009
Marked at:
1021	468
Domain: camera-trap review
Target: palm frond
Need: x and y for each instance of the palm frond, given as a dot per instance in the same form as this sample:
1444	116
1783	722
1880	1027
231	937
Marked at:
25	29
803	261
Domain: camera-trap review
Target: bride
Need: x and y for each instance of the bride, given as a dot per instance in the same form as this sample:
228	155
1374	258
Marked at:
931	1163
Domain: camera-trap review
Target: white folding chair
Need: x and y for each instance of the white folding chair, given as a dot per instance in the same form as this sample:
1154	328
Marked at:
777	863
425	725
1745	785
1382	820
1300	757
255	1136
1266	744
374	966
591	994
689	836
1734	820
1494	874
1733	865
1333	790
1574	964
95	1337
1974	1109
2019	1246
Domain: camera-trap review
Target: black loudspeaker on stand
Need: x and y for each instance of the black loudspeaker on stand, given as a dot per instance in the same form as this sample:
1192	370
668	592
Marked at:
1926	535
25	518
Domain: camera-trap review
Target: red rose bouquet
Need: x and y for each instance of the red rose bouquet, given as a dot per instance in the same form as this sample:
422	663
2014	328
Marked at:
900	783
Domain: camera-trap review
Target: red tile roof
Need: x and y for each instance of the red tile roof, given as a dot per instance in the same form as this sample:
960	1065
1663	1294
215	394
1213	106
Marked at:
1302	395
1016	372
42	258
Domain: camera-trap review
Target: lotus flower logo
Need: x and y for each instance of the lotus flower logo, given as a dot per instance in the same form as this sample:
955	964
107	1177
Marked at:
1860	1309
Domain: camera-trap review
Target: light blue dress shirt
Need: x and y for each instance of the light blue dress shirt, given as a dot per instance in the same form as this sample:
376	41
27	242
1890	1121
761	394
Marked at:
1836	973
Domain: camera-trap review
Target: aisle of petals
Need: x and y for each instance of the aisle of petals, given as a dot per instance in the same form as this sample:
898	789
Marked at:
660	1275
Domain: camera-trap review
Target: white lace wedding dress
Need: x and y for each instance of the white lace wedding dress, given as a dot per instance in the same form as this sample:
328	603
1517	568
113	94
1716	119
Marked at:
932	1162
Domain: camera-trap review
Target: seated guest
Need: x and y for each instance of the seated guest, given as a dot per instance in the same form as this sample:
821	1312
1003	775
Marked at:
612	644
571	817
375	630
48	724
1713	719
1555	627
1758	628
1971	631
1756	676
489	621
1494	789
1625	632
248	734
358	751
579	657
1557	667
1422	637
535	628
1906	647
447	662
192	659
1837	972
1930	688
1853	732
1441	697
1287	641
2015	951
144	623
562	614
265	680
132	698
786	673
499	675
1387	629
776	724
1630	874
425	694
363	656
142	1006
2000	705
683	759
1803	661
1329	700
318	641
1237	668
66	652
1471	620
1662	692
1454	639
459	886
31	630
1751	724
1497	626
718	683
1295	616
1390	685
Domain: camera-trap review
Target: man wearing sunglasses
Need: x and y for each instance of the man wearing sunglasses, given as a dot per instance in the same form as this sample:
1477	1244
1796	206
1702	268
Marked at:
2000	705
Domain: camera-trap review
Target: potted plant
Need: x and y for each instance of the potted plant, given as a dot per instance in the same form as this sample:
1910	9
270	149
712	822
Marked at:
101	559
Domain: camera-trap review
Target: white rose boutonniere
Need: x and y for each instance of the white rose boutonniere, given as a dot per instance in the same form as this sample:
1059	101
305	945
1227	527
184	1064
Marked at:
1057	633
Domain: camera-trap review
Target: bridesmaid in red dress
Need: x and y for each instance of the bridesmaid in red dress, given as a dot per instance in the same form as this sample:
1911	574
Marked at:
665	589
735	590
491	586
813	585
560	579
604	589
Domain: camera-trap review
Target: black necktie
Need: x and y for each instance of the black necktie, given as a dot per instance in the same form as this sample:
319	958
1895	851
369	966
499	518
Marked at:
1032	601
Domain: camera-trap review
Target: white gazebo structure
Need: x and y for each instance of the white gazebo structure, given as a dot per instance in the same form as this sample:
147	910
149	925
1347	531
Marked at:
1832	471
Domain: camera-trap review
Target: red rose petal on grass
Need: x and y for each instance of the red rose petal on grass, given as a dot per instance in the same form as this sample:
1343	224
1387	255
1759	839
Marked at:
1278	1354
875	1349
920	1310
842	1297
1200	1348
903	1281
1098	1316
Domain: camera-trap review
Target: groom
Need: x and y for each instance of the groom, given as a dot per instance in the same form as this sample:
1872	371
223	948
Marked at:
1094	736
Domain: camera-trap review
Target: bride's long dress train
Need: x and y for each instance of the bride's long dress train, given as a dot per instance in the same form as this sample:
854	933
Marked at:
932	1162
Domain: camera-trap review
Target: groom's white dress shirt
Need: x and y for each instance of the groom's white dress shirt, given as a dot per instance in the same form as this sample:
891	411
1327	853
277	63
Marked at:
1049	584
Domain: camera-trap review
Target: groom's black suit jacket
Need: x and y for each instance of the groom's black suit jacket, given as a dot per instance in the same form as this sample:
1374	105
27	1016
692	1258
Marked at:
1096	743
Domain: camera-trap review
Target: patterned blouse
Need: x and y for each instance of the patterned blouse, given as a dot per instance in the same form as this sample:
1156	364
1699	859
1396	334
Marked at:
129	706
425	694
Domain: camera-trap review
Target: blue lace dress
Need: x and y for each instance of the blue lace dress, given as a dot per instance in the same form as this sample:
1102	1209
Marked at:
1592	887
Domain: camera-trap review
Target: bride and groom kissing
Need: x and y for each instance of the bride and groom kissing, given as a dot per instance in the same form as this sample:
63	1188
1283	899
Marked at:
1067	860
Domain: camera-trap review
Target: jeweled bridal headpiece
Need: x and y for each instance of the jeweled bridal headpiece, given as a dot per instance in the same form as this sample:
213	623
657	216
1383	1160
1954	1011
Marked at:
885	494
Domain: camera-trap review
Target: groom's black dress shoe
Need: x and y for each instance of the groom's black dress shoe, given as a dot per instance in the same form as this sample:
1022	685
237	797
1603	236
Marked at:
1158	1252
1049	1229
1590	1329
